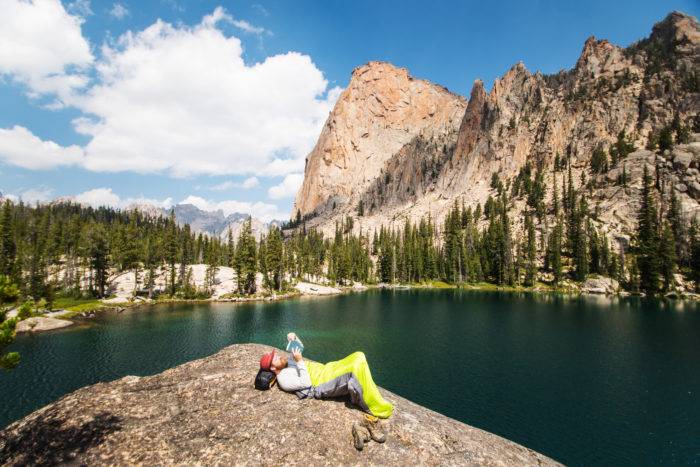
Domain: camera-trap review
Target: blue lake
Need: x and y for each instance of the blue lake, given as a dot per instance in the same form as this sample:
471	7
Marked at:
584	380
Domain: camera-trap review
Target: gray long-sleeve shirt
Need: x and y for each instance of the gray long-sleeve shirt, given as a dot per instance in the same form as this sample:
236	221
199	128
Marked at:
295	377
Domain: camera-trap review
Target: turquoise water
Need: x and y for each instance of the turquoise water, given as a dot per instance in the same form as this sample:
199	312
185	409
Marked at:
583	380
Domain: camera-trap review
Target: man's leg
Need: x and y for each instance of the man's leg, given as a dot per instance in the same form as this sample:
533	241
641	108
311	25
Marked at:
352	376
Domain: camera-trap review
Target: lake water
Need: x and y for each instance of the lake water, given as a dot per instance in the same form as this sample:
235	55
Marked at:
584	380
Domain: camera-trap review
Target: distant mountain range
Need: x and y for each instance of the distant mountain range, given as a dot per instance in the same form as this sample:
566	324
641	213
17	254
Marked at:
213	223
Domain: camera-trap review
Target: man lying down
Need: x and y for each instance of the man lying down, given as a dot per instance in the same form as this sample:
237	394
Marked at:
347	377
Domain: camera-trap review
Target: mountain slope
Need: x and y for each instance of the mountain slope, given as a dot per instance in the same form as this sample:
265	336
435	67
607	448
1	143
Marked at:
526	117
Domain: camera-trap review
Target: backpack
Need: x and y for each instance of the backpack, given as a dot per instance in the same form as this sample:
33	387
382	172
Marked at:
265	379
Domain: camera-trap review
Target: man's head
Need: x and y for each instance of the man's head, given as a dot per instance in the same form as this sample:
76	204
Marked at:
273	361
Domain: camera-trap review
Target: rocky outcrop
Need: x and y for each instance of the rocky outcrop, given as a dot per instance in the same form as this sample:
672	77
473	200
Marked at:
600	286
526	117
41	323
206	412
382	109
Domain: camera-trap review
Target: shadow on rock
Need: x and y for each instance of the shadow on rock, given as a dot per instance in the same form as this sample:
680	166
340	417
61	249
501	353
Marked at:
50	440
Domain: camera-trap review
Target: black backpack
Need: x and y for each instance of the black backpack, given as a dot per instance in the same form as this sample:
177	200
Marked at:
265	379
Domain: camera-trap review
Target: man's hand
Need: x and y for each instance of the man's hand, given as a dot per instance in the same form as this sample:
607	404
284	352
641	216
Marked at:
297	355
291	336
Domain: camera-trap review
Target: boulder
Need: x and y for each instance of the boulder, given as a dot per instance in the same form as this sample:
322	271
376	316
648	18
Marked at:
694	188
307	288
681	159
207	412
41	323
600	285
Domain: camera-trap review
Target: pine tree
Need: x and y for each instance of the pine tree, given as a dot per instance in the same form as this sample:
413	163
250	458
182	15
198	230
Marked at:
667	257
246	259
8	248
171	249
99	257
599	161
647	237
131	252
555	245
531	252
274	259
677	223
580	241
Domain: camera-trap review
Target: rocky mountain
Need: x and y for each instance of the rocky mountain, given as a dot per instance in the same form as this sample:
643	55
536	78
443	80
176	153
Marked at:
213	223
397	148
216	223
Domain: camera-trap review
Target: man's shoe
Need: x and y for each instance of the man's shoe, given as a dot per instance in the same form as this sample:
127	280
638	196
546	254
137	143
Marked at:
376	431
360	436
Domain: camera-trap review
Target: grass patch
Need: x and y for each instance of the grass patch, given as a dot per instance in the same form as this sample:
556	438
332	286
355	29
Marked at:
77	306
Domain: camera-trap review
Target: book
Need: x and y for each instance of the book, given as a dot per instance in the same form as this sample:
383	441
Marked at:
295	344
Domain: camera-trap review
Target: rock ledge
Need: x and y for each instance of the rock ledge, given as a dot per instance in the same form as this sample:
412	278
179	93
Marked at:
207	412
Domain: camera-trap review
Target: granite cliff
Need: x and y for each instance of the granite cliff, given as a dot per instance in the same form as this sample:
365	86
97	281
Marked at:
206	412
404	158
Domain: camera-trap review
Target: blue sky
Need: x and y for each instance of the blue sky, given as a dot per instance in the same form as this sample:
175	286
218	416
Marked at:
168	100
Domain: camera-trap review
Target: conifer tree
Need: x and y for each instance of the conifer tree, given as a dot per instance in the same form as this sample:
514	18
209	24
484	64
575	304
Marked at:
246	259
171	249
8	248
667	257
274	259
555	245
99	257
531	252
647	237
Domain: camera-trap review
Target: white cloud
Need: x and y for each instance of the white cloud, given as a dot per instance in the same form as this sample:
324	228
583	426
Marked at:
287	188
248	183
181	100
18	146
245	26
39	42
80	8
263	211
170	99
119	11
106	197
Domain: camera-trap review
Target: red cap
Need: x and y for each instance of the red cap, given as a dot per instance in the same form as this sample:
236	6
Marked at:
266	360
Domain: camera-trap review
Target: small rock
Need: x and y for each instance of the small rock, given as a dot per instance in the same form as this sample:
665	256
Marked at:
694	188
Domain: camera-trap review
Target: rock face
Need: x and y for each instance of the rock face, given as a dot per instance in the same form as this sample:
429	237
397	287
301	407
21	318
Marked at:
419	162
207	412
382	110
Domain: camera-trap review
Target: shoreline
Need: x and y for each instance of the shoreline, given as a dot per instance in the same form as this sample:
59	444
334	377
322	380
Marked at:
57	320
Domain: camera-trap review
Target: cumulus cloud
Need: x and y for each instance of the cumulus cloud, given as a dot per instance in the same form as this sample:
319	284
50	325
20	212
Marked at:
248	183
263	211
99	197
119	11
18	146
42	46
181	100
287	188
170	99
